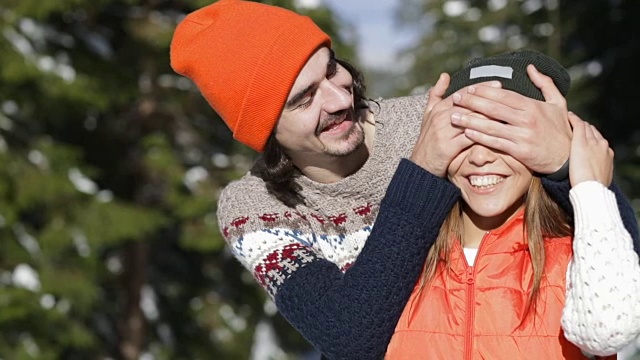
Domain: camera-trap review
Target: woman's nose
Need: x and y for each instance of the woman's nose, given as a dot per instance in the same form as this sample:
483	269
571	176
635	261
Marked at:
480	155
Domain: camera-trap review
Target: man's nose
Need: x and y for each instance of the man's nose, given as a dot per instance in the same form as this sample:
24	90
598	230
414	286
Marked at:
336	98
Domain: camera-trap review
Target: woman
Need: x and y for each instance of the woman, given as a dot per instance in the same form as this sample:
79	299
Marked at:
495	281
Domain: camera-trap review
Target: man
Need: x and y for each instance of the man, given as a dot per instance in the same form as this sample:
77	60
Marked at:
334	162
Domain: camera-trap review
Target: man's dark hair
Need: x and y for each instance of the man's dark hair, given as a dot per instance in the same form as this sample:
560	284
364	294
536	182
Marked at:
276	168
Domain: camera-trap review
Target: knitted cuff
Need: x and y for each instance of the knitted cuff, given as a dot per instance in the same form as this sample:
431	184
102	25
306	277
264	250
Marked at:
593	204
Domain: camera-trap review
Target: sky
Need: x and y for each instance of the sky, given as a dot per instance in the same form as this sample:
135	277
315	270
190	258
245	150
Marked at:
379	38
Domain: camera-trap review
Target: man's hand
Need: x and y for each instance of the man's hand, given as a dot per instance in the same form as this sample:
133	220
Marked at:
439	141
591	156
534	132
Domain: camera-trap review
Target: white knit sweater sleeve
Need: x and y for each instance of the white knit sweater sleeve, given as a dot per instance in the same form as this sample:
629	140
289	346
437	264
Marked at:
602	309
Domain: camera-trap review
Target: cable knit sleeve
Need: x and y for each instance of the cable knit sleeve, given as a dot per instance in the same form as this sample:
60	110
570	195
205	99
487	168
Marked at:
352	314
602	309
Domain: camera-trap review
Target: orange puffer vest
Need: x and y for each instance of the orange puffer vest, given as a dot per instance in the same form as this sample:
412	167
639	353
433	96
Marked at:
478	312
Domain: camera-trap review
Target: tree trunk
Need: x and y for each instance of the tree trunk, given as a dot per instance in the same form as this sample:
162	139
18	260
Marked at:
133	325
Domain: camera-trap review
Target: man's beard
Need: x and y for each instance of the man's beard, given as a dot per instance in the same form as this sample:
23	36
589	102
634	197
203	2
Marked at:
353	140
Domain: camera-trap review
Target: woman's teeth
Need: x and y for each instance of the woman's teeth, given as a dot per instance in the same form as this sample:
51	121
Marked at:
485	181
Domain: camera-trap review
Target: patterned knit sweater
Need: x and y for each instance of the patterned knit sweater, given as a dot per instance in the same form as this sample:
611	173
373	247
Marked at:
305	257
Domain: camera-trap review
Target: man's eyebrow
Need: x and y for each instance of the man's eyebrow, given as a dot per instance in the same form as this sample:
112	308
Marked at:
302	93
299	95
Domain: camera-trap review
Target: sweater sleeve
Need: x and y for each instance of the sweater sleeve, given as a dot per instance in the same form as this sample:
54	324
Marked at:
559	192
353	314
602	309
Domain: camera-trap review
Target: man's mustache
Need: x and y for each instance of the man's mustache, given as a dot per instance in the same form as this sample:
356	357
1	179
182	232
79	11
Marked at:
331	118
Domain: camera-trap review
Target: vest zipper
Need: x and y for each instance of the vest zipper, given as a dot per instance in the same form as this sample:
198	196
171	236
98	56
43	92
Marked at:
471	301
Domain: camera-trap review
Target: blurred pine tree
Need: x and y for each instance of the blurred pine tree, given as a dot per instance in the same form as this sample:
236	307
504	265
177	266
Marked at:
111	168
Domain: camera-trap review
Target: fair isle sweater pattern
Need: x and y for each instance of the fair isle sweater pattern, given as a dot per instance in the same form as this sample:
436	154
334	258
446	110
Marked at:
274	241
314	294
274	261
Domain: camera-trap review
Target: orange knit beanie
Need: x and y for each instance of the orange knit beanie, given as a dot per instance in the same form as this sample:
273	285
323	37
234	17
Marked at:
244	57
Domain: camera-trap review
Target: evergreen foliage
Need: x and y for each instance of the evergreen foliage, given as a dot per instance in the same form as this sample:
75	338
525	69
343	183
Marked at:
112	165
